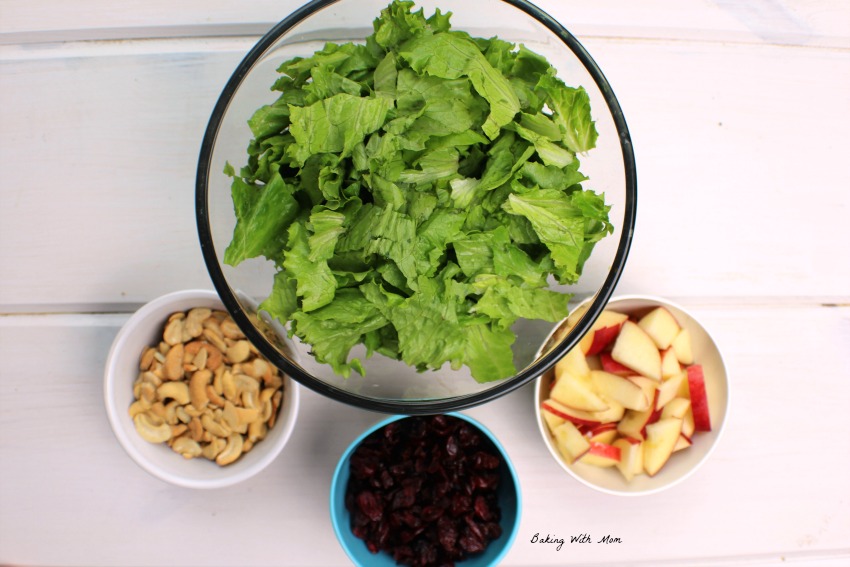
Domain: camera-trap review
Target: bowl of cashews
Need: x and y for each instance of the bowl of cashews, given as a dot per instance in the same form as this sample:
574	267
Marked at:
190	399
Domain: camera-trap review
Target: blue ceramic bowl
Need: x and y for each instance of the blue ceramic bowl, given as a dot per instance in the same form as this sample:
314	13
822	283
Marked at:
510	502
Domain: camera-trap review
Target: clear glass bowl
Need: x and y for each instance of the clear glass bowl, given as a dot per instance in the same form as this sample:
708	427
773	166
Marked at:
390	386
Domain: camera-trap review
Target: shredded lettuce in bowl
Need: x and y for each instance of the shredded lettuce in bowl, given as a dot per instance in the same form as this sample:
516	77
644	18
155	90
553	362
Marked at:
417	194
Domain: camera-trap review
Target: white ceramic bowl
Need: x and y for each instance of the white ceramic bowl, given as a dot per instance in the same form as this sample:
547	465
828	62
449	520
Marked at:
683	463
144	328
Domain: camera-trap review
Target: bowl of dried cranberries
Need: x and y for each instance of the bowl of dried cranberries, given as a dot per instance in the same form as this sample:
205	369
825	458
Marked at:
425	490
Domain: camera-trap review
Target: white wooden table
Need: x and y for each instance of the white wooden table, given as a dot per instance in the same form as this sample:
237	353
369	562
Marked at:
739	112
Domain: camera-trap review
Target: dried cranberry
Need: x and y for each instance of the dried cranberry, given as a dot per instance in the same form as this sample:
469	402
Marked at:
473	527
404	498
387	481
485	481
426	553
451	446
482	460
403	554
482	509
441	424
461	503
432	512
370	506
492	530
468	437
447	533
471	544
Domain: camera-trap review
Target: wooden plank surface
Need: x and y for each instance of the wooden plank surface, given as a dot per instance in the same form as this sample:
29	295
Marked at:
774	489
734	159
796	22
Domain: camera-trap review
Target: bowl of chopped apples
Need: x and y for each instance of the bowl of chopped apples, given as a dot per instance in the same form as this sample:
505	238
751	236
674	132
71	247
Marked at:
412	196
640	403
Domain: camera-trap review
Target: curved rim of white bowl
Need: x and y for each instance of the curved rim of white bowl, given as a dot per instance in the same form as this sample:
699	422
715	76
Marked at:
720	428
118	421
336	489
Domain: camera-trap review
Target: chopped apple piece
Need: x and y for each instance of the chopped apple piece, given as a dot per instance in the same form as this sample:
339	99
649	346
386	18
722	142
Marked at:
699	398
601	428
635	349
619	389
552	420
577	393
661	326
634	424
684	391
610	365
669	388
574	317
601	455
598	339
646	384
611	318
669	363
604	330
631	457
578	417
683	442
677	407
573	363
681	345
661	438
607	436
654	416
688	423
570	442
614	413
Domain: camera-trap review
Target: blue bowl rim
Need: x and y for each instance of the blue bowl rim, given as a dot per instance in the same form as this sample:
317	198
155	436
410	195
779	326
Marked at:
337	490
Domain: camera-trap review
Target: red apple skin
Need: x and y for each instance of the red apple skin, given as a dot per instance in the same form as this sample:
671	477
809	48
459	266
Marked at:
699	398
604	450
602	338
614	367
565	414
654	416
602	428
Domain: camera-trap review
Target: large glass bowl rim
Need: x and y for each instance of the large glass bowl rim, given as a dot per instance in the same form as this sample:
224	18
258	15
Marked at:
417	406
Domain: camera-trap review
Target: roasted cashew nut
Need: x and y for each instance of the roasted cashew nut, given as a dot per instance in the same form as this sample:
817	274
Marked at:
151	428
232	451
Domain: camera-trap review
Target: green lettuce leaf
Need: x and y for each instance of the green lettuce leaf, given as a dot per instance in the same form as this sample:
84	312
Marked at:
559	222
487	349
571	107
262	215
451	56
315	283
333	330
335	124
